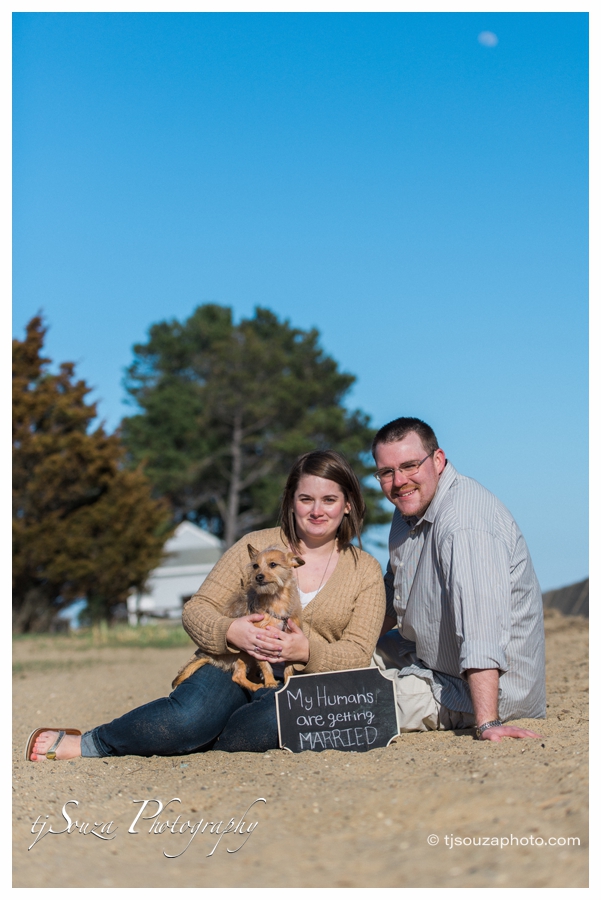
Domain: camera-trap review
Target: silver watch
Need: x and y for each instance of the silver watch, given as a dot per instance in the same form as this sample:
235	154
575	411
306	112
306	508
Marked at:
494	723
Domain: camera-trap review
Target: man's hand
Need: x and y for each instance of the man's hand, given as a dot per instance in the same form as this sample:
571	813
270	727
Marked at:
498	732
484	689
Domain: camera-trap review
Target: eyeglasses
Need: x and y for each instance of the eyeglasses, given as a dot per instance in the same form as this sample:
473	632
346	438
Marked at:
408	468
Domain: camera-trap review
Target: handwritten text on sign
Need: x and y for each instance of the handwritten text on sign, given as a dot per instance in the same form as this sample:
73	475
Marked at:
350	710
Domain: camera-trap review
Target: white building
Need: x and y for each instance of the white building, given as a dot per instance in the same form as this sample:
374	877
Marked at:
190	555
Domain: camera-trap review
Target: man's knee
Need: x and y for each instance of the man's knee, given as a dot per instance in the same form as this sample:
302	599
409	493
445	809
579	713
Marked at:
418	709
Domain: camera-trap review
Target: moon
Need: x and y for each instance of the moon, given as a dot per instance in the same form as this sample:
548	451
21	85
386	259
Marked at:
488	39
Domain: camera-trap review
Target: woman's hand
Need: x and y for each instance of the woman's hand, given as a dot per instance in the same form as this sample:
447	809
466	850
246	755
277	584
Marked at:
242	633
268	644
282	646
298	644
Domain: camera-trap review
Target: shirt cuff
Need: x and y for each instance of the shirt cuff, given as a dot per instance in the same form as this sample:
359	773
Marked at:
480	655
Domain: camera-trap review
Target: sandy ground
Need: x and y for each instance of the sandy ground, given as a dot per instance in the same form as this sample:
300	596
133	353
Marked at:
386	818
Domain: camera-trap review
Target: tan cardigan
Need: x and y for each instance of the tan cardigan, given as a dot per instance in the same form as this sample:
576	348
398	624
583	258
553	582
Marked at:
342	622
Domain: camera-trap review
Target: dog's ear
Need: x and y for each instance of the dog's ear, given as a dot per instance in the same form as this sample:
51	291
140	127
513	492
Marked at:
252	552
297	561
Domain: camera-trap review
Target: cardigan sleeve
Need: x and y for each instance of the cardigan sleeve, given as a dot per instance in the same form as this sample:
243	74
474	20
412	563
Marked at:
355	646
202	616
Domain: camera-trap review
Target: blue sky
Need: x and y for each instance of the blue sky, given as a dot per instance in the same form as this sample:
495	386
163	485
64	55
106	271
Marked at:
417	195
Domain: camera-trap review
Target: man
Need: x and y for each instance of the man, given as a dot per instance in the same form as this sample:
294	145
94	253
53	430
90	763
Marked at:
462	591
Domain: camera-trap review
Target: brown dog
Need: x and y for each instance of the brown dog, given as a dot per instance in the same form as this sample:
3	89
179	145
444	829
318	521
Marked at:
269	588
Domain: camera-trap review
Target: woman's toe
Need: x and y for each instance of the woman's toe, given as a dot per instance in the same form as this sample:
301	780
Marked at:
42	744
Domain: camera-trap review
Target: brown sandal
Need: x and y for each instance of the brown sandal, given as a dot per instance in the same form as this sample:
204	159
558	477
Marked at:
51	753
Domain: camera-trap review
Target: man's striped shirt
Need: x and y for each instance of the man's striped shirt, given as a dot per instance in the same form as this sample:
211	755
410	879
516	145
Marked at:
461	584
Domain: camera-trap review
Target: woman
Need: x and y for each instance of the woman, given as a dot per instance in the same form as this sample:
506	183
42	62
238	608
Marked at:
342	592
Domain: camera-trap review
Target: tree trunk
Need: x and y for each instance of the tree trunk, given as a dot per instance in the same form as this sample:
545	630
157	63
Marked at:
233	500
34	613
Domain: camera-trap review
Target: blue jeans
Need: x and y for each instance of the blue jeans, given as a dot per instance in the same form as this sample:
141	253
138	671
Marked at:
206	711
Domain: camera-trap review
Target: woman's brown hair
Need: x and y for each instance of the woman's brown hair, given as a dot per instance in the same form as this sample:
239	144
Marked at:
334	467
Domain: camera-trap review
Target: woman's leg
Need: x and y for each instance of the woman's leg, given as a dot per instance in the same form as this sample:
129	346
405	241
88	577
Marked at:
253	728
189	719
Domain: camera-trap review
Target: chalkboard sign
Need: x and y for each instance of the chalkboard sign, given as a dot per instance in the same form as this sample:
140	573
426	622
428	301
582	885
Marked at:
350	710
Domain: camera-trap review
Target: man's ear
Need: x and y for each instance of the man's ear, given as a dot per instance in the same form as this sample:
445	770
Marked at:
440	460
252	552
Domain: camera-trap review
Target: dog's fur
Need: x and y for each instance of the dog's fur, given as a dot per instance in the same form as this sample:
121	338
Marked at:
269	588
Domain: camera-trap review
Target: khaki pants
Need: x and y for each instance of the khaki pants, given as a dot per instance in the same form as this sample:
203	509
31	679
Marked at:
417	707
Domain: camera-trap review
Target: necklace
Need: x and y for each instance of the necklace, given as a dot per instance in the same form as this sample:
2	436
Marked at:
319	588
324	571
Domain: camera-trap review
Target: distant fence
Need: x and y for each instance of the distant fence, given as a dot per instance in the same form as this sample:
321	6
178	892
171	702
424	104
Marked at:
571	600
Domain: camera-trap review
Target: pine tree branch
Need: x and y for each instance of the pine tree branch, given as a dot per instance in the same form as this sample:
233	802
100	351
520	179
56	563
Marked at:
265	469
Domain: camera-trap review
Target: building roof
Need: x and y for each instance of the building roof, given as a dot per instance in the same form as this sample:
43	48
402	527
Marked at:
190	546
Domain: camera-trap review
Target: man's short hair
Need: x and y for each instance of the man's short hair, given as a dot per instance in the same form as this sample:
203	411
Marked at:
398	429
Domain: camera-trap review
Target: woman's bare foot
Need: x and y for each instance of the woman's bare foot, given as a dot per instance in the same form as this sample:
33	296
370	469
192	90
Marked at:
69	747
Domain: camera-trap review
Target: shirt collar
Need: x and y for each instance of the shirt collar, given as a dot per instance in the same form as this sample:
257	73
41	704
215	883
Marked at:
447	478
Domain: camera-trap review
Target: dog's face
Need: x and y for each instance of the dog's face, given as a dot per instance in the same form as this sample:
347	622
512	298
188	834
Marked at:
271	570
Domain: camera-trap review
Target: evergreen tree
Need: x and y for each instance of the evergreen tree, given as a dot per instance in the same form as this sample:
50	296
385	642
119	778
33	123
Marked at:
83	523
227	408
